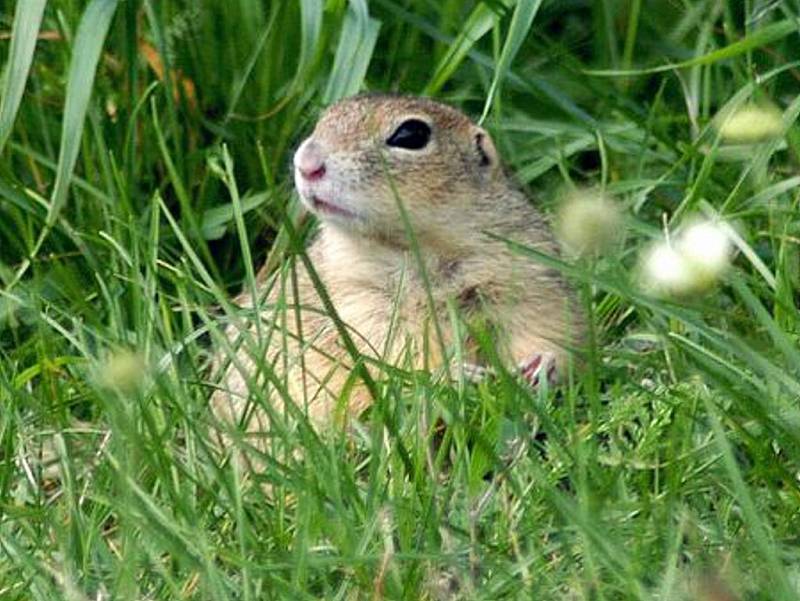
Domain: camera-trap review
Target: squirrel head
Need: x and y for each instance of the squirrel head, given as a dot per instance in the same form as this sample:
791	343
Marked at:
370	155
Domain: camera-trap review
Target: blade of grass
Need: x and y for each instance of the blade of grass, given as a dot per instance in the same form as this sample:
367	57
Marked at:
82	70
757	528
356	44
310	31
248	69
779	338
521	23
479	22
606	44
215	220
228	178
531	85
181	192
27	20
630	36
89	42
762	37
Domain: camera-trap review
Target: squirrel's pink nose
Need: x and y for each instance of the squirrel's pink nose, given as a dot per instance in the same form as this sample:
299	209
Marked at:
308	161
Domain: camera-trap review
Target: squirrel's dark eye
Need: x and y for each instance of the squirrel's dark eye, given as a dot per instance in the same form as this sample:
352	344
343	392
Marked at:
412	134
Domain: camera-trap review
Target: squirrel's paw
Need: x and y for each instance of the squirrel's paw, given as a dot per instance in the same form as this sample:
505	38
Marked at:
534	370
538	368
476	373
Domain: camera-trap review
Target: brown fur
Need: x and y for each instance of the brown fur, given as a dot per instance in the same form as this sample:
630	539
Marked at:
454	191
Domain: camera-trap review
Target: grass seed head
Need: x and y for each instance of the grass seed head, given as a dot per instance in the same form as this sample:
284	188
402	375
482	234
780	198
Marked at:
707	247
751	124
123	370
665	271
690	264
588	222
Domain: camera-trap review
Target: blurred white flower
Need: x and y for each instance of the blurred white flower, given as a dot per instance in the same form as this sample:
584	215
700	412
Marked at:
588	222
707	246
691	263
751	124
665	271
123	370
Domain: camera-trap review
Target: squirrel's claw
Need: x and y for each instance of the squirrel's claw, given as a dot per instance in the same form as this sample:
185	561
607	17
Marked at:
534	370
539	367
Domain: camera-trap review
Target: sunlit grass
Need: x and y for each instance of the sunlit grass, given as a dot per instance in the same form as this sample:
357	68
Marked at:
129	217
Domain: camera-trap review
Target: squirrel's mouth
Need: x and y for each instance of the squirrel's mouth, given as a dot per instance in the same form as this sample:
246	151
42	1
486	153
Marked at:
326	207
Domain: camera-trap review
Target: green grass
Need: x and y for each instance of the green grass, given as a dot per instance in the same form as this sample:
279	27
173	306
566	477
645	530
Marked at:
131	215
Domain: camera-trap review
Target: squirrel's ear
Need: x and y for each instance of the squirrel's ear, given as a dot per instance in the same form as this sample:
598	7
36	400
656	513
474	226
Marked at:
484	148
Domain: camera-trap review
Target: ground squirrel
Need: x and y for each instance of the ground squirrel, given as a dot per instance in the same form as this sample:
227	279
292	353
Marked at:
368	156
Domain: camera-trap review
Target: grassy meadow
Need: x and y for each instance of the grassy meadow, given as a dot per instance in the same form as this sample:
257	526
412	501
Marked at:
145	172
